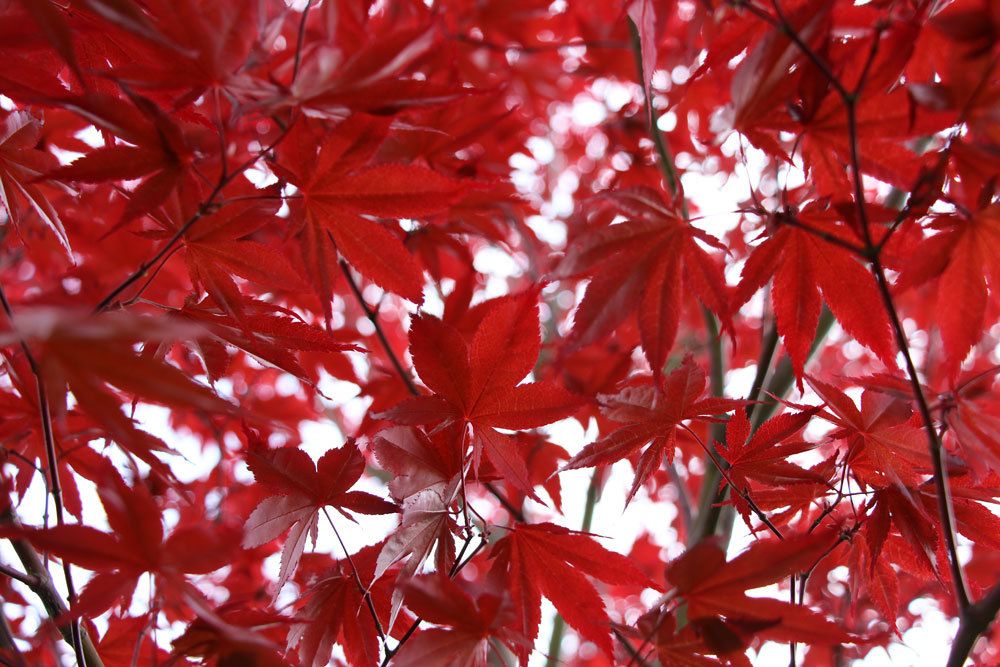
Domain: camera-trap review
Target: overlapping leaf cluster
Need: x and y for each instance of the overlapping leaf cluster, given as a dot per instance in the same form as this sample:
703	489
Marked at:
477	245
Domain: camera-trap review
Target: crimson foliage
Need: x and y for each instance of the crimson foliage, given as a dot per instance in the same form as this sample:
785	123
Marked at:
450	234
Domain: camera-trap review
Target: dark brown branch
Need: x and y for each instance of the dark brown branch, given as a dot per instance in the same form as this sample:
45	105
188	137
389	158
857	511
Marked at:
941	488
944	503
26	579
786	218
872	252
976	620
300	40
50	598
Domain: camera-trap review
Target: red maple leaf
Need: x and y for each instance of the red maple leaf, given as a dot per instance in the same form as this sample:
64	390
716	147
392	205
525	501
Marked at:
467	620
884	446
802	265
762	456
136	544
960	257
154	147
645	265
546	559
95	357
651	413
334	611
21	163
713	588
343	195
476	388
302	490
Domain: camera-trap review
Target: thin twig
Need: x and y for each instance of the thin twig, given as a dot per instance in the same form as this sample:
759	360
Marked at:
721	467
786	218
300	40
634	653
357	578
372	316
55	487
26	579
206	207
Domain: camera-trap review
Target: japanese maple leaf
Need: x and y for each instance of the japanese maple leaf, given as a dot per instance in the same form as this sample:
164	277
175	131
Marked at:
154	148
334	611
371	60
417	461
546	559
475	383
644	265
875	580
342	194
266	332
713	588
802	265
651	413
899	509
184	46
784	504
302	489
762	81
21	163
427	526
118	648
219	249
965	407
467	620
884	446
763	456
136	545
964	259
975	423
21	417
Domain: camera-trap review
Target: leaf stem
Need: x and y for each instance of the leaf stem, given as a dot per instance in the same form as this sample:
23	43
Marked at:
372	316
357	578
